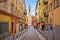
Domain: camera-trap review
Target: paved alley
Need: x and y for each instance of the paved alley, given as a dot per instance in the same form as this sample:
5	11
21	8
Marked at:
29	35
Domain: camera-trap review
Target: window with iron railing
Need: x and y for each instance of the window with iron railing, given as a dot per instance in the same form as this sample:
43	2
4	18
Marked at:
0	6
56	3
45	1
51	20
11	7
45	12
15	10
5	6
50	7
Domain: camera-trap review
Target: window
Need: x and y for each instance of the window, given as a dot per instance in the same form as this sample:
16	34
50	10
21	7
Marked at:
50	20
56	3
15	10
3	27
50	7
5	6
39	3
0	6
36	13
47	10
12	8
0	28
0	1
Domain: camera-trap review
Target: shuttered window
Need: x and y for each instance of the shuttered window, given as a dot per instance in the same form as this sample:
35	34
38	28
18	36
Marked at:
3	27
56	3
5	6
0	28
50	7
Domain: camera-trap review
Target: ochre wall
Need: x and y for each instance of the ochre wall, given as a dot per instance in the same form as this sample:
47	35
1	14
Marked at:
6	18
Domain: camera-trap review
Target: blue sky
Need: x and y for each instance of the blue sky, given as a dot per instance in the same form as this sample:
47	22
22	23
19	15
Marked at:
32	4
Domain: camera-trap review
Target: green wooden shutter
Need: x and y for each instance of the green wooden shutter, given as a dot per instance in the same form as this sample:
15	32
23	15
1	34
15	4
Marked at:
40	19
0	28
5	27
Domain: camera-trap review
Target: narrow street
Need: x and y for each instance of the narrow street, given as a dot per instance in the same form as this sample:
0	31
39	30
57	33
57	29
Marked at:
29	35
29	19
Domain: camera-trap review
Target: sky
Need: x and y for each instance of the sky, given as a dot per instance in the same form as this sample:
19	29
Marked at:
32	3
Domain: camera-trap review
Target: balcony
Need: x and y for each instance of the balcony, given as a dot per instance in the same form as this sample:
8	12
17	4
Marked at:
45	2
35	13
45	14
25	13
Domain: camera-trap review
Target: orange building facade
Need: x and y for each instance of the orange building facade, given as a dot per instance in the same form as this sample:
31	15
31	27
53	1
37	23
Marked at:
52	13
34	21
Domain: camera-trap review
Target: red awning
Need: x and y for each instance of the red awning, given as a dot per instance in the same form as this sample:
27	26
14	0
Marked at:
42	23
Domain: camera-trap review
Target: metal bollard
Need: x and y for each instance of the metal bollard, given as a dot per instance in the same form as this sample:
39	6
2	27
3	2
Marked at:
13	37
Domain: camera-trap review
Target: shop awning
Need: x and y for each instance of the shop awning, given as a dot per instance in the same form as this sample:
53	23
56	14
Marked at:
42	23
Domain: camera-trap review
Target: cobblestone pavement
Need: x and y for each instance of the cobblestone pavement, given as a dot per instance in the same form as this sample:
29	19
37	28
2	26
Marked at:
30	35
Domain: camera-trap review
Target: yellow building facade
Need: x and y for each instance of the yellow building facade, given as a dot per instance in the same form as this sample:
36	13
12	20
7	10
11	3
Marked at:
11	12
51	14
54	13
26	22
5	17
40	13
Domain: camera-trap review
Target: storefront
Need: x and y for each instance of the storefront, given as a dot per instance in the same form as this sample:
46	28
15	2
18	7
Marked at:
15	24
42	26
38	25
25	25
21	26
5	23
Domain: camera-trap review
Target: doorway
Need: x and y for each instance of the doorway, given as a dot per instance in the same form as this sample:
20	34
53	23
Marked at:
43	27
12	24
